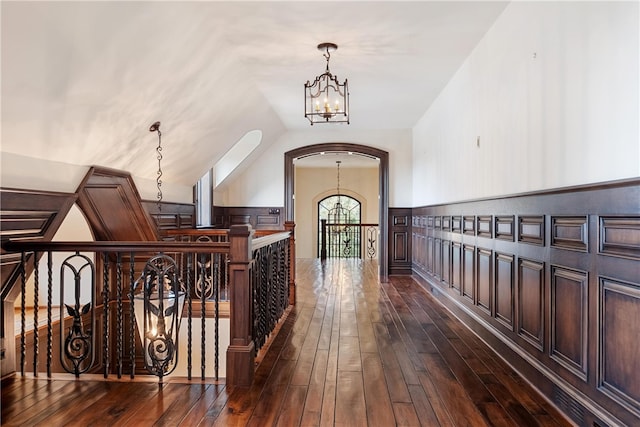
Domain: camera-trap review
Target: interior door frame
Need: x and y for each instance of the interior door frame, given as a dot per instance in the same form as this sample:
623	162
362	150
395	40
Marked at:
383	179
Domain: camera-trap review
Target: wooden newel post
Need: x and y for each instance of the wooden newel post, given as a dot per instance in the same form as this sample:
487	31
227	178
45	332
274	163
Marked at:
241	351
290	226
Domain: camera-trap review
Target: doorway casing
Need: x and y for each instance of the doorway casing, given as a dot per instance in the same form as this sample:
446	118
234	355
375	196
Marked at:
383	178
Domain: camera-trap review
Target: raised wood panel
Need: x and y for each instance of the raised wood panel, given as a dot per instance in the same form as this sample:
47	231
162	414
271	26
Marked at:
620	236
400	220
26	214
437	258
260	218
531	302
505	227
446	223
268	220
468	271
484	264
437	223
430	254
456	265
505	287
430	222
485	226
403	237
446	262
469	225
171	216
569	319
111	203
570	232
456	224
619	344
400	251
239	219
531	229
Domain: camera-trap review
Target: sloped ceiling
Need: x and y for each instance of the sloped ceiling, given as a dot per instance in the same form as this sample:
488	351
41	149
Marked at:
82	81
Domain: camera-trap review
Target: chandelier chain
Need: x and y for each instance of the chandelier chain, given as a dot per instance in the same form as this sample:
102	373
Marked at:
156	128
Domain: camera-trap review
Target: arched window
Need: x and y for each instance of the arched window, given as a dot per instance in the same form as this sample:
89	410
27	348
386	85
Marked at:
342	241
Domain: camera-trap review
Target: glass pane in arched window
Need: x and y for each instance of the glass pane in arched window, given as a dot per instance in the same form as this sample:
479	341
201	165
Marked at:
342	241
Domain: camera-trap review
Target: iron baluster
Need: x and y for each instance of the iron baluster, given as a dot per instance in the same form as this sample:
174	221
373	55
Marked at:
119	315
189	315
36	302
203	269
23	318
105	309
132	316
216	298
49	314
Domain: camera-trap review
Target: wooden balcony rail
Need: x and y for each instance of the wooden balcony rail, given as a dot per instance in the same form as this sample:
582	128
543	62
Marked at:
97	282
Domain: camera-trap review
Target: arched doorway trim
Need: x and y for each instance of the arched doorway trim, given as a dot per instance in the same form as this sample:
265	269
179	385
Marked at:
383	177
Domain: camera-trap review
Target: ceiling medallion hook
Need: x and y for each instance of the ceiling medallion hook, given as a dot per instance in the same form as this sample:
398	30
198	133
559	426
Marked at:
156	128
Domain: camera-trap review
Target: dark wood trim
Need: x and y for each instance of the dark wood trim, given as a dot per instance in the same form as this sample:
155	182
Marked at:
383	216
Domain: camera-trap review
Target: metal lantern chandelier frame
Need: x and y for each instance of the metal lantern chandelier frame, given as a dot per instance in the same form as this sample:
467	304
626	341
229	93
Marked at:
326	100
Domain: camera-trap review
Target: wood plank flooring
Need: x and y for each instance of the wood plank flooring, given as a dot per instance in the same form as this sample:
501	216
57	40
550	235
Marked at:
352	352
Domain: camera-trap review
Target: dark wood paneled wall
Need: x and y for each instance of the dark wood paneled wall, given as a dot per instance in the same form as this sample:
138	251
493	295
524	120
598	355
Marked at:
24	214
552	281
400	240
171	216
260	218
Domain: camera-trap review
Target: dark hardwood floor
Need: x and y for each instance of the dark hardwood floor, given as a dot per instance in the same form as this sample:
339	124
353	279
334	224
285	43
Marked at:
352	352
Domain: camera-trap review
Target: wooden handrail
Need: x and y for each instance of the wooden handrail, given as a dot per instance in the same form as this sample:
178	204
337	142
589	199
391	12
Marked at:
180	247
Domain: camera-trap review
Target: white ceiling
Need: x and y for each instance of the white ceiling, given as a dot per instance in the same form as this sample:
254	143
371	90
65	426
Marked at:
82	81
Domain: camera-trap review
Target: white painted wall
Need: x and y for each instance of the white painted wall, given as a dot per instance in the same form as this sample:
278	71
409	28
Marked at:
314	184
551	90
262	183
30	173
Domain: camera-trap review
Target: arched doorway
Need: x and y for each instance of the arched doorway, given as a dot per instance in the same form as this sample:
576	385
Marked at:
383	175
343	242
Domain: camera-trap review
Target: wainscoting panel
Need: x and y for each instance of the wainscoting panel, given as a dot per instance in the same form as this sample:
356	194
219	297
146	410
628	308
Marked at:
402	238
260	218
570	232
468	271
569	319
505	287
456	265
552	278
619	347
530	302
484	279
620	236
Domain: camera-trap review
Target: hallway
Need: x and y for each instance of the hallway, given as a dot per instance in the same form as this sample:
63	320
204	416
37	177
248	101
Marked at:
352	352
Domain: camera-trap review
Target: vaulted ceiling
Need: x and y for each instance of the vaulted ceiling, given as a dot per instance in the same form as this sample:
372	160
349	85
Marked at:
82	81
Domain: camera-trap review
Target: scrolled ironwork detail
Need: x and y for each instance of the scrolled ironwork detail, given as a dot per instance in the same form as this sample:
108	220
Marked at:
78	342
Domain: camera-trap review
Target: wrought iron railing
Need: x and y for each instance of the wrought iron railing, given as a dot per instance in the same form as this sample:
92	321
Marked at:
97	285
348	240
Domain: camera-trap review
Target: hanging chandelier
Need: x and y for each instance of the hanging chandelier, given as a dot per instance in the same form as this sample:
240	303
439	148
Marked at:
338	214
326	100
